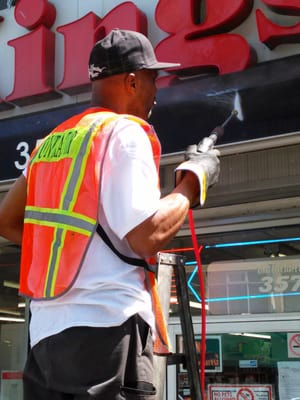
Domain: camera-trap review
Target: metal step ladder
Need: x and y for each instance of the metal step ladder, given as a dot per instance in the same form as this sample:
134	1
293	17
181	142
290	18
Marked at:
167	265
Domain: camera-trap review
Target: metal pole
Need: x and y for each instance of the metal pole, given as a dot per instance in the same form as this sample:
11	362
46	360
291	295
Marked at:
164	279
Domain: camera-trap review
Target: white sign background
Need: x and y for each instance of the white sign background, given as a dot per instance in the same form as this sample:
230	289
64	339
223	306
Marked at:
288	379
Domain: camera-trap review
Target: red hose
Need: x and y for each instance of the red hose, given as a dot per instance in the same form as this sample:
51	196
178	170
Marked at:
197	251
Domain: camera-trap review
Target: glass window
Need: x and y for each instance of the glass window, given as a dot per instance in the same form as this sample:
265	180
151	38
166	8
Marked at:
13	331
248	272
252	290
264	366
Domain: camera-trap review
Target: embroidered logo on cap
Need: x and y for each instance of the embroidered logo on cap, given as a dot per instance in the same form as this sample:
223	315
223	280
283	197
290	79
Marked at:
95	72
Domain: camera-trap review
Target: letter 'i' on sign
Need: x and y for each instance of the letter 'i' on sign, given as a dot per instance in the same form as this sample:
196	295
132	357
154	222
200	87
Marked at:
80	36
200	41
272	34
34	53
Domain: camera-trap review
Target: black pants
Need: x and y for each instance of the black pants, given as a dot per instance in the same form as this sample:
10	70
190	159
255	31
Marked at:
84	363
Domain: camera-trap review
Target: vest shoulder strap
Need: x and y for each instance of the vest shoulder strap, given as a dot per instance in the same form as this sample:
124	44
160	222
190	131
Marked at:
129	260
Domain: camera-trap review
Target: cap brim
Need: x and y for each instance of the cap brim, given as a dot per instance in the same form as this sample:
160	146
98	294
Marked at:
163	65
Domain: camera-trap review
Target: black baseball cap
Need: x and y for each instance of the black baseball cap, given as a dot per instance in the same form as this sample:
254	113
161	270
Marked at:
123	51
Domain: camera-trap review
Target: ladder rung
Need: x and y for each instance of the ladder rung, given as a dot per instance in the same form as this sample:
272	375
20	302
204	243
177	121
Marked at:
176	358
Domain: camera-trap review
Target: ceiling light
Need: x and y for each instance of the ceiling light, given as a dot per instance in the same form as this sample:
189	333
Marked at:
254	335
9	312
8	319
194	304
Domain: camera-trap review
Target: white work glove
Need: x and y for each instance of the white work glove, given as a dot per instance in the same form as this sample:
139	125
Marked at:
205	165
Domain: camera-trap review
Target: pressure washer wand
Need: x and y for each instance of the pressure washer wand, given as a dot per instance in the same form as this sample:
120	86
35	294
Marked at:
208	142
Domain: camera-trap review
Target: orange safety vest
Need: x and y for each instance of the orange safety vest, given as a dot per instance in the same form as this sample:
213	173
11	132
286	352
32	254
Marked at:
62	202
63	184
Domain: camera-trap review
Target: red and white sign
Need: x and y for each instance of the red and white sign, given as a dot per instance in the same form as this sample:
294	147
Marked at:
245	394
293	345
239	392
45	45
11	385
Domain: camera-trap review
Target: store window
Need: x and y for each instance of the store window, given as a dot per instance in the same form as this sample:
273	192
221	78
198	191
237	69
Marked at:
249	272
13	327
252	303
264	366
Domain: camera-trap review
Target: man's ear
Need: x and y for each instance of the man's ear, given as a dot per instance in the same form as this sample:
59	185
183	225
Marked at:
131	81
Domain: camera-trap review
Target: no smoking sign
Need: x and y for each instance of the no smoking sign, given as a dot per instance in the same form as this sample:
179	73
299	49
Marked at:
293	345
245	394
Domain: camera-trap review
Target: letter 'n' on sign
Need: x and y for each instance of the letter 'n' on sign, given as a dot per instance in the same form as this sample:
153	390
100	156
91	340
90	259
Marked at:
81	35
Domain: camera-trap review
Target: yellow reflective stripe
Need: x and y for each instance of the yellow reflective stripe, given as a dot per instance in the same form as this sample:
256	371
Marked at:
60	219
82	143
50	281
56	212
57	225
69	197
77	167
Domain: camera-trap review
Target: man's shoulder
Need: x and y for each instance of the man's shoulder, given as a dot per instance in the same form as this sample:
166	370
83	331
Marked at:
135	119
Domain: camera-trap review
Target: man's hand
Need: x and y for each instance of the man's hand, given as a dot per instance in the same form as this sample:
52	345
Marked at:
206	166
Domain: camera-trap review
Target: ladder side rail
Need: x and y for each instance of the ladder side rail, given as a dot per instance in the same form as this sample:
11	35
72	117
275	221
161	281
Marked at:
188	335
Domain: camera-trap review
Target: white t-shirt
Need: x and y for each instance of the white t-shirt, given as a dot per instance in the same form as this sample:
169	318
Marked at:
108	291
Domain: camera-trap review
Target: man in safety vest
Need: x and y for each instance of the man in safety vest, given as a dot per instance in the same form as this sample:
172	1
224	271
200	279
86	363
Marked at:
88	212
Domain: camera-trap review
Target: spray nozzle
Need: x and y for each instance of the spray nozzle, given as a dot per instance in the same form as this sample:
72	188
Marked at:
234	113
208	142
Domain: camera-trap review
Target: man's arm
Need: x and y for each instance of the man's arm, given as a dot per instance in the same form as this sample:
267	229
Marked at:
12	210
154	233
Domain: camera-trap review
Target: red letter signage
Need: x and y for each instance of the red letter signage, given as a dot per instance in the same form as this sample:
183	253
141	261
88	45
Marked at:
3	105
34	53
272	34
81	35
202	46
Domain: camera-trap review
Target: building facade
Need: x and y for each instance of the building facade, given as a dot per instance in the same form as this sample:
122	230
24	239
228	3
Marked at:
241	55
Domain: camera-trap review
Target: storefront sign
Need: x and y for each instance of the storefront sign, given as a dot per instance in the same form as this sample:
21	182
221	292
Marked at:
240	392
45	47
254	286
201	45
213	354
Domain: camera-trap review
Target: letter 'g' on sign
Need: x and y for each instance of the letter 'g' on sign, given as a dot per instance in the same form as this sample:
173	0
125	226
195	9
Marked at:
203	46
272	34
